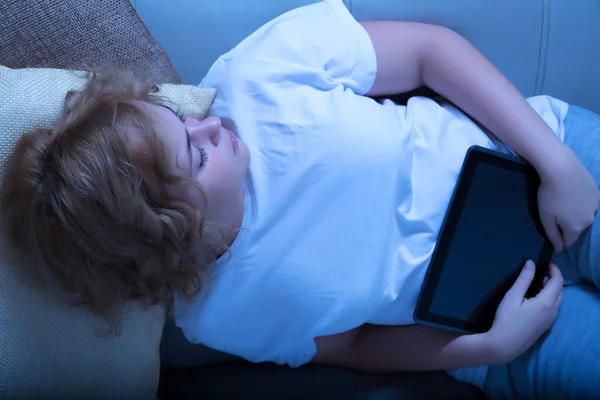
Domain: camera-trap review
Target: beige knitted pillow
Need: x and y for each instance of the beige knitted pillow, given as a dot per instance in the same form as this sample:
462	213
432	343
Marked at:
49	350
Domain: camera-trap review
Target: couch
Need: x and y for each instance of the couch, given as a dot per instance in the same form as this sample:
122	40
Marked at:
47	351
543	47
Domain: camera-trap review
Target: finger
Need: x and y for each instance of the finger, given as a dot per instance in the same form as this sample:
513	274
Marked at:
521	285
569	235
553	289
557	304
553	232
559	300
554	271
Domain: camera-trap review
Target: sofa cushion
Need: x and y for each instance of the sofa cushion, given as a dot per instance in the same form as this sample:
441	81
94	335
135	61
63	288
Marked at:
177	353
49	348
241	380
71	33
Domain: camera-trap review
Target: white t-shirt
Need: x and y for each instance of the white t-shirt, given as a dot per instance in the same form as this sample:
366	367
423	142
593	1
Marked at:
345	195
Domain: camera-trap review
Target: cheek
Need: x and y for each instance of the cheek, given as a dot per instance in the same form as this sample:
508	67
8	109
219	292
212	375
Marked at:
217	170
211	179
186	194
194	197
220	178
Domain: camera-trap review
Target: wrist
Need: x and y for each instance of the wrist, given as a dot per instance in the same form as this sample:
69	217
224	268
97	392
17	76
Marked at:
497	348
551	160
486	349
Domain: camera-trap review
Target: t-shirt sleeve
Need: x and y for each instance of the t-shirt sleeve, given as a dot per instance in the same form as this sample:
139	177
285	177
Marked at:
258	321
320	45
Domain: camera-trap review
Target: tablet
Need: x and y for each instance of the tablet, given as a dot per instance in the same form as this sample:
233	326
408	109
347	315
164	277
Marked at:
491	228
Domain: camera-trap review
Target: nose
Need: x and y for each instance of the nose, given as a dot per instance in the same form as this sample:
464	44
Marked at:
207	130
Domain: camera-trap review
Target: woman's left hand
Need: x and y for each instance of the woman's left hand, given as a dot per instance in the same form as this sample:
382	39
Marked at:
568	199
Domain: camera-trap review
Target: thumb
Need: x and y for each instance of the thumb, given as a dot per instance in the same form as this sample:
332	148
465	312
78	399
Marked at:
521	285
552	231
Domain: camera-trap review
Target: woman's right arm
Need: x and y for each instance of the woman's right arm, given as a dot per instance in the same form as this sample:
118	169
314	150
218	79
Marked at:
518	324
406	348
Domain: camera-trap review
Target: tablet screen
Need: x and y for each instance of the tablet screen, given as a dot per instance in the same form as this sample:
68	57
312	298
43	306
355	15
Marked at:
491	229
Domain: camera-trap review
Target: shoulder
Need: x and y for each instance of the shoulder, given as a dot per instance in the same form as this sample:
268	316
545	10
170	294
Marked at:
320	45
294	28
247	313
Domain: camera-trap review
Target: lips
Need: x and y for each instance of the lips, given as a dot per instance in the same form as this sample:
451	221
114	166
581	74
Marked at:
234	141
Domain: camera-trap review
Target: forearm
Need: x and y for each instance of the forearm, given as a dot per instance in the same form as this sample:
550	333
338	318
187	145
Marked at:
419	348
457	71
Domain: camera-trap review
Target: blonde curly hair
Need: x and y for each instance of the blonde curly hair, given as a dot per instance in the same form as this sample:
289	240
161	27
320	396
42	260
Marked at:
86	205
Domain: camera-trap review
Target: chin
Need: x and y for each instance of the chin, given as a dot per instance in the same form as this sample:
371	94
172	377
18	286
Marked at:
244	153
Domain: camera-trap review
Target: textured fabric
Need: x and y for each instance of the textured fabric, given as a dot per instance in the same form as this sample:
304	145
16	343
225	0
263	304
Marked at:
222	376
48	348
348	194
564	364
245	381
71	33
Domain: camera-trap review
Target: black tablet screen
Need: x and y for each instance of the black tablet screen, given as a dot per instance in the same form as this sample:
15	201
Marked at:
492	232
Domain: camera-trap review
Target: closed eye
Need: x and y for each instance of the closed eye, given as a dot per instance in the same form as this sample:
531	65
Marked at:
178	113
180	116
203	157
201	150
187	134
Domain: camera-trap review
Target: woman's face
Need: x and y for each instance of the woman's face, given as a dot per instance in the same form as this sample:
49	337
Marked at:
208	153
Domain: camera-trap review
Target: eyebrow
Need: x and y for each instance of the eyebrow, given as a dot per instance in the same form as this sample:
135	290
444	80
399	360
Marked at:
189	141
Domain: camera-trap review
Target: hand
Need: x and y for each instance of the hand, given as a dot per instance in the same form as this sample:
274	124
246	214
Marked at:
520	322
568	199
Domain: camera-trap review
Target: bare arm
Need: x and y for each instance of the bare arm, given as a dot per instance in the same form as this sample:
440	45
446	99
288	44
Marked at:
404	348
410	55
518	324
